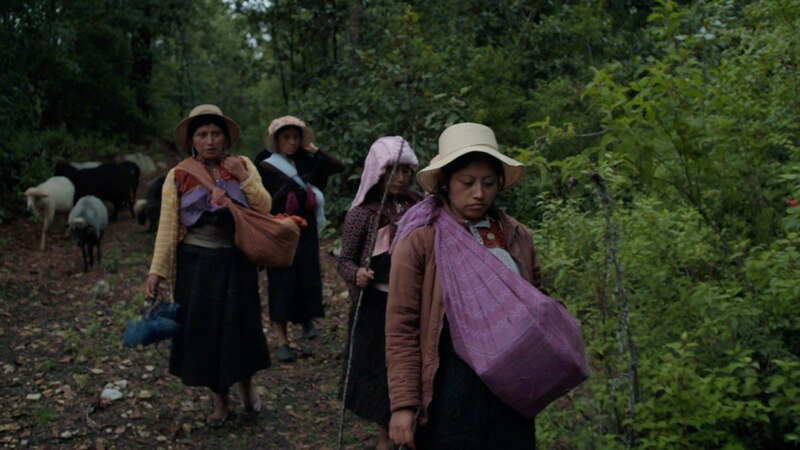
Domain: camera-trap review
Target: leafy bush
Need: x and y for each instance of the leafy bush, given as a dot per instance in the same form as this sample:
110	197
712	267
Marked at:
30	155
716	332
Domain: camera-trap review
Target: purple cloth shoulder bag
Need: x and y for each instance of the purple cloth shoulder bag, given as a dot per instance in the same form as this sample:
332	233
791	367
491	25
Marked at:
524	346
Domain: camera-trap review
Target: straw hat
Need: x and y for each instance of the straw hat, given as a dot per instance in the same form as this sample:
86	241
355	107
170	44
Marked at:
457	141
182	140
286	121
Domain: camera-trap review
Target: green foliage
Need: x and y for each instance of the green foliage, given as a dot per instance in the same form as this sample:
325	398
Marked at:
712	347
698	147
79	64
689	406
204	60
789	175
29	156
74	81
43	415
686	125
413	69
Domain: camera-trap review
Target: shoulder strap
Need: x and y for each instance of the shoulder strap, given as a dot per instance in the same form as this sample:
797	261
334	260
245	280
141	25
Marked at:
195	168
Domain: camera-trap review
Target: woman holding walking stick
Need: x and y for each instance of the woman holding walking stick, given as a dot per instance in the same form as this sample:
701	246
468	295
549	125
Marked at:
383	196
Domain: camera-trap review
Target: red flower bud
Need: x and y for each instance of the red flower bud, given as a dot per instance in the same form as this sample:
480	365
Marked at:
792	203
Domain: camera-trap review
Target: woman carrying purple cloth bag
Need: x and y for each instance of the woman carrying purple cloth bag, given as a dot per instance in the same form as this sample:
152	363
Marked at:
473	348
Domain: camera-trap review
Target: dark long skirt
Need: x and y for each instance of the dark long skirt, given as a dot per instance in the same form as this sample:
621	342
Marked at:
464	414
221	339
295	293
368	390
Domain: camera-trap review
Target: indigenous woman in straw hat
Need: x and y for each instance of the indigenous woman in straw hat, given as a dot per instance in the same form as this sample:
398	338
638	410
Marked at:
437	400
221	339
364	264
295	175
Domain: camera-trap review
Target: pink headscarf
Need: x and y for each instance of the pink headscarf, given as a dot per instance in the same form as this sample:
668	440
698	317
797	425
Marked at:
382	155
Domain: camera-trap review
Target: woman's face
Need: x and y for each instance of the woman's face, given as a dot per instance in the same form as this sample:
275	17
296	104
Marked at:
209	141
472	190
288	141
400	181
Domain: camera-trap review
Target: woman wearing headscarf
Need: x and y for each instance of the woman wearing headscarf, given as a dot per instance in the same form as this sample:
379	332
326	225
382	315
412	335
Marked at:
295	174
430	384
221	339
364	265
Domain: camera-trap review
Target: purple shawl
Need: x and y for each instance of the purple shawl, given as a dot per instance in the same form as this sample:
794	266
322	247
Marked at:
423	213
197	201
382	154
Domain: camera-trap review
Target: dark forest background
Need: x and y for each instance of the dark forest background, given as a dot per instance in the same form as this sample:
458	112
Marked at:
661	139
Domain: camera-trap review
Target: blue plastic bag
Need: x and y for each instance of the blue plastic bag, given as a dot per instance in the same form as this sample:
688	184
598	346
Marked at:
157	323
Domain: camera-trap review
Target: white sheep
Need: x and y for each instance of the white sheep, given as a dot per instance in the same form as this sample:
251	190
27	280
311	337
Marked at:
85	165
45	200
88	221
145	163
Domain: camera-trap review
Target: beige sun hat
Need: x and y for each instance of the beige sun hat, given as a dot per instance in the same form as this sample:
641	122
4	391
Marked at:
286	121
182	140
460	139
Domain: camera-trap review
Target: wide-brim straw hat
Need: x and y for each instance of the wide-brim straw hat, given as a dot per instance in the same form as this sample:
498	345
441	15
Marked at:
457	141
183	142
288	121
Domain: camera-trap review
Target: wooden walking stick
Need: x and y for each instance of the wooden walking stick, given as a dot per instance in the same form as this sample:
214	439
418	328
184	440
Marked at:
371	246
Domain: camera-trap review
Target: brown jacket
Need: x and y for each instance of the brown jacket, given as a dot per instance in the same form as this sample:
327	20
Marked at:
415	313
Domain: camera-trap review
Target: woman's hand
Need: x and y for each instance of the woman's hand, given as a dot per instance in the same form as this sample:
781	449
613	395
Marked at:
311	148
151	285
401	427
363	277
235	166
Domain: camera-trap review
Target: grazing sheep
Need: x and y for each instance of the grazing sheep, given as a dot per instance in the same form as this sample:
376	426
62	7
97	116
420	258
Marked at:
150	206
110	182
45	200
144	162
85	165
88	221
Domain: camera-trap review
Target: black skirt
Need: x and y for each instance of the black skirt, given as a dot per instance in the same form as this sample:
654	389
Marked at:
221	339
295	293
464	414
368	390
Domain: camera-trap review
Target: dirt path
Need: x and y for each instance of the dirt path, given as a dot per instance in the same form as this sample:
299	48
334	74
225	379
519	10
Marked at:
61	344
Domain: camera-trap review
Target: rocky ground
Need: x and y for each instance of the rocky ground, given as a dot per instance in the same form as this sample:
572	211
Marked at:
61	348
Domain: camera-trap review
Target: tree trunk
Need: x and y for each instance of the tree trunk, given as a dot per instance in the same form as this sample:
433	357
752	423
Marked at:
354	30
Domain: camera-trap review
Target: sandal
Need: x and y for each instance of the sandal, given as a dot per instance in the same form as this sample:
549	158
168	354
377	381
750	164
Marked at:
284	354
217	422
309	330
253	409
